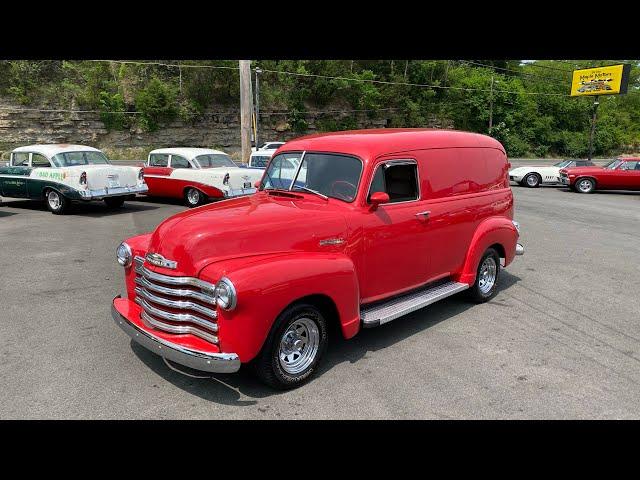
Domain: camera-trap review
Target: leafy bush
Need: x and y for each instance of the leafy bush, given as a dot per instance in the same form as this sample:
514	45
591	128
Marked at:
156	103
112	106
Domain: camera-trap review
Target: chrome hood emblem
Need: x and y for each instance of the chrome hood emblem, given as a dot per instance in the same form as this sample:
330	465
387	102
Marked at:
159	261
246	177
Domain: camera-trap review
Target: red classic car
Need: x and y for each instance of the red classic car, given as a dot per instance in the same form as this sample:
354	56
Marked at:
197	175
353	228
622	173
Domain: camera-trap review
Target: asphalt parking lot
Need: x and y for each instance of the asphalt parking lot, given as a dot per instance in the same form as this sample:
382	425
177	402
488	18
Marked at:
560	340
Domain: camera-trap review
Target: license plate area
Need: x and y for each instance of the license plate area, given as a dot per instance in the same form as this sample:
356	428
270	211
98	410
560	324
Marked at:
247	185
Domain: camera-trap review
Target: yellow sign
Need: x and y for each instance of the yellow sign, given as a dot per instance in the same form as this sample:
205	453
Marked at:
612	80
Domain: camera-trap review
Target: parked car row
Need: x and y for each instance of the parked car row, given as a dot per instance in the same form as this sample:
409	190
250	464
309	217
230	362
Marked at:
61	174
583	176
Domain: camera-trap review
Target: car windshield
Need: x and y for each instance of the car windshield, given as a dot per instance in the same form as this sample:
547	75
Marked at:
71	159
613	164
214	160
562	164
328	174
259	160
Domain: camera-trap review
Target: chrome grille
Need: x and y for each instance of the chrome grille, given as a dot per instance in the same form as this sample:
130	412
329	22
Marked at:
176	304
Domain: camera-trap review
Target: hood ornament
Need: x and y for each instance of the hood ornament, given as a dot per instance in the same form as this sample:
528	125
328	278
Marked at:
159	261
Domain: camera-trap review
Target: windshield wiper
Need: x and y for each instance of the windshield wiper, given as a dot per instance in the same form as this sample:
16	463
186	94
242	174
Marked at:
307	189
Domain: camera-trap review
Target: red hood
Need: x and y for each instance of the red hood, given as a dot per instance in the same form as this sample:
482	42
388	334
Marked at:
255	225
581	170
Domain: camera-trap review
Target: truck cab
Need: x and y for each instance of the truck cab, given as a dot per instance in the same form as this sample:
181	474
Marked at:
352	228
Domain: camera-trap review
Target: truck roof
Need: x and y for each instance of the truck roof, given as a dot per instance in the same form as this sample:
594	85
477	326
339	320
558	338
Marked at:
375	142
188	152
49	150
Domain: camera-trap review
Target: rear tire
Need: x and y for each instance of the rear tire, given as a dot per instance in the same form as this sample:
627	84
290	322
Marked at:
56	202
487	275
294	348
585	185
531	180
114	202
193	197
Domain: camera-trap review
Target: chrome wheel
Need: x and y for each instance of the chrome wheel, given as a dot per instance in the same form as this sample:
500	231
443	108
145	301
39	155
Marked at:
585	185
487	275
193	196
54	200
532	180
299	346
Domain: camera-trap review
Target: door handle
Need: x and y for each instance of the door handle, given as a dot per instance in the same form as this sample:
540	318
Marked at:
424	214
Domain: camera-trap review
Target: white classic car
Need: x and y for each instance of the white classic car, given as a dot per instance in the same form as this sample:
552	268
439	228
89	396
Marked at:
534	176
260	157
60	174
197	174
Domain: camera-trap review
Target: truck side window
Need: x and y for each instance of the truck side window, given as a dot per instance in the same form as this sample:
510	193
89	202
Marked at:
39	161
400	182
158	160
179	162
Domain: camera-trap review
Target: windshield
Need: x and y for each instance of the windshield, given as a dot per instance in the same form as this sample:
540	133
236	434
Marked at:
562	164
335	176
260	160
214	160
613	164
71	159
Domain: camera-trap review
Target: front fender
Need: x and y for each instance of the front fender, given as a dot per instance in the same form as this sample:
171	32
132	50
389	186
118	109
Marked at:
266	286
492	231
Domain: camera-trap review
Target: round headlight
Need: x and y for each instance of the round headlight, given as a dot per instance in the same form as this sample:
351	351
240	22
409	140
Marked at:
124	255
226	294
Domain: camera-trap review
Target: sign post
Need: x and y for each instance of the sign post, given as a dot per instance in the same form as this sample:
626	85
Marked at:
611	80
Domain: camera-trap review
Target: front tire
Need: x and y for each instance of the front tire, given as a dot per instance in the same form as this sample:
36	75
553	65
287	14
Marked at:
193	197
585	185
114	202
293	349
486	285
56	202
532	180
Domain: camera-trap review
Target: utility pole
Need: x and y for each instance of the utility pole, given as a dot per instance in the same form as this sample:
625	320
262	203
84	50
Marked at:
258	72
491	107
593	125
245	109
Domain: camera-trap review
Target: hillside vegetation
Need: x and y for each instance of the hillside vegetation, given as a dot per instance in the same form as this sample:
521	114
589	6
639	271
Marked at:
532	112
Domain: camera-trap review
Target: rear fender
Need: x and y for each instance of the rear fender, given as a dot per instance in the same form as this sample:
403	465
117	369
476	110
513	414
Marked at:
266	286
496	230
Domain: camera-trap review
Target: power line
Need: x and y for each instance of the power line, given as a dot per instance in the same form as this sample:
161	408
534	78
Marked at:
366	80
510	70
172	65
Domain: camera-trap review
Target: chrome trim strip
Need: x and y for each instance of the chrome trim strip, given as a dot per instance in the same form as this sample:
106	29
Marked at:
179	329
205	361
176	292
178	304
158	277
176	317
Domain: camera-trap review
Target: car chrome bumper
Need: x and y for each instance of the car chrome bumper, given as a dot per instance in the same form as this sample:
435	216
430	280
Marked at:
237	192
205	361
519	249
99	194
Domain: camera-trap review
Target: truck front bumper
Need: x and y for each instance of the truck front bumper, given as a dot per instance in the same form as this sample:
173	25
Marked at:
99	194
196	359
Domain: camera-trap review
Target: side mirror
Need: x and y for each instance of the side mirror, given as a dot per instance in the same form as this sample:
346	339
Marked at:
257	184
378	198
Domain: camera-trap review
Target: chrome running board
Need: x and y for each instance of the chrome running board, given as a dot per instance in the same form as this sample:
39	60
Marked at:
372	316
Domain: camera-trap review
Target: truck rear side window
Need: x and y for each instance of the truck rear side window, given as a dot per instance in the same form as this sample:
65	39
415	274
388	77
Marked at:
399	181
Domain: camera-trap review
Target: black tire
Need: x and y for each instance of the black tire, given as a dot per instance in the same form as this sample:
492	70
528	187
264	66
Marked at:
532	180
56	202
479	292
584	185
193	197
114	202
268	365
